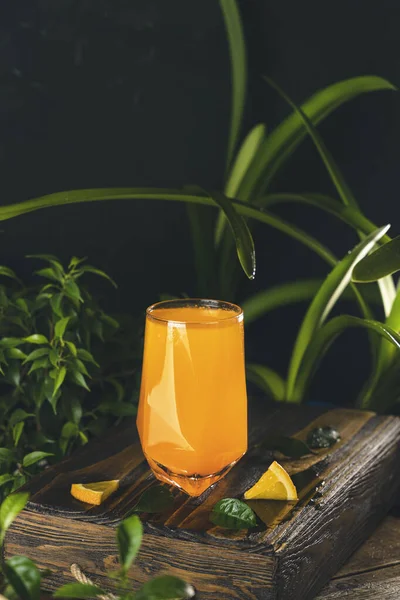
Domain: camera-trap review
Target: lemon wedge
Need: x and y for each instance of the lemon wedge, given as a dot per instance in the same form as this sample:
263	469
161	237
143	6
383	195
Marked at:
94	493
275	484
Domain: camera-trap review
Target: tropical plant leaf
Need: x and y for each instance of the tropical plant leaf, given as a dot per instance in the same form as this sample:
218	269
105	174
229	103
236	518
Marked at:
386	286
325	299
383	261
241	233
285	138
270	382
275	297
242	162
237	50
325	336
204	256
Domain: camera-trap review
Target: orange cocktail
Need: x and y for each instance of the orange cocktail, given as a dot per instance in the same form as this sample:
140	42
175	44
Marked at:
192	417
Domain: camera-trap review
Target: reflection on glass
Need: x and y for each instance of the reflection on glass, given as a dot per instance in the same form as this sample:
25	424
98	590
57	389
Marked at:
192	417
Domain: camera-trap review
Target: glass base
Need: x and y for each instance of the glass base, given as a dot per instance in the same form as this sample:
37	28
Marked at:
194	485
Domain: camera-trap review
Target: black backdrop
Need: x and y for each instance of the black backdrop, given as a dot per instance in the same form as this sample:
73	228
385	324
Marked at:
137	92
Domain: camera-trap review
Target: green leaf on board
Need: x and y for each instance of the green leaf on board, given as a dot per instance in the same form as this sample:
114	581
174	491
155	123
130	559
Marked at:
17	432
324	301
156	499
24	577
79	590
323	437
165	587
232	513
34	457
36	338
129	539
237	51
270	382
288	446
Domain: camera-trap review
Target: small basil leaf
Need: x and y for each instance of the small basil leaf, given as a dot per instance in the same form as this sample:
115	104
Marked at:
155	500
232	513
323	437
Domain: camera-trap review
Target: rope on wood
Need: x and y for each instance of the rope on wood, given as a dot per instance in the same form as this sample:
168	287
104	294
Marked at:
82	578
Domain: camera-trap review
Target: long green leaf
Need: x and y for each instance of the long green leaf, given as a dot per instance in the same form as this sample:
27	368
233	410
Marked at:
237	50
290	293
347	214
241	233
329	293
383	261
204	257
323	338
386	286
242	162
98	195
270	382
283	140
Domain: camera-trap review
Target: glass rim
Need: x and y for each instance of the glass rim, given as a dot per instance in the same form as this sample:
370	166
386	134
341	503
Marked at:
196	303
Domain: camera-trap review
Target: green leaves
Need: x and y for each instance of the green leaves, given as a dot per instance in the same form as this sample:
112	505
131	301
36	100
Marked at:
244	241
237	50
129	539
61	326
90	269
155	500
165	587
59	380
36	338
323	303
231	513
78	590
24	577
283	140
383	261
270	382
10	509
34	457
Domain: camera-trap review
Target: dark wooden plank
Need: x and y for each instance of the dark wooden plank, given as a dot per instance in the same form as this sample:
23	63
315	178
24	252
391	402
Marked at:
374	570
294	551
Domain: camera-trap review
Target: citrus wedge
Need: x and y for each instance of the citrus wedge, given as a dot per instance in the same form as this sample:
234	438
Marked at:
94	493
275	484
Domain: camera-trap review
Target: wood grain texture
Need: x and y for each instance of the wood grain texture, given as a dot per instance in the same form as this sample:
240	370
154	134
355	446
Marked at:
373	572
291	554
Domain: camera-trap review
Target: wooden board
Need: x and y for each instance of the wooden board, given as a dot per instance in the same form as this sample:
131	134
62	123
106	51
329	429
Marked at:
292	554
373	572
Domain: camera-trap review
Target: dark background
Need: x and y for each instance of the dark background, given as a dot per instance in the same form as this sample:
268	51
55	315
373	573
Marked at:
98	93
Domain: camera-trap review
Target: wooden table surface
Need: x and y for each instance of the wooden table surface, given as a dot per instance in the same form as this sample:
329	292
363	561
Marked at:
373	572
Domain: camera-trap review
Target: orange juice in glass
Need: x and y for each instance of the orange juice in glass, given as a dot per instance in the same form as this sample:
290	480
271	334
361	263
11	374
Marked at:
192	417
